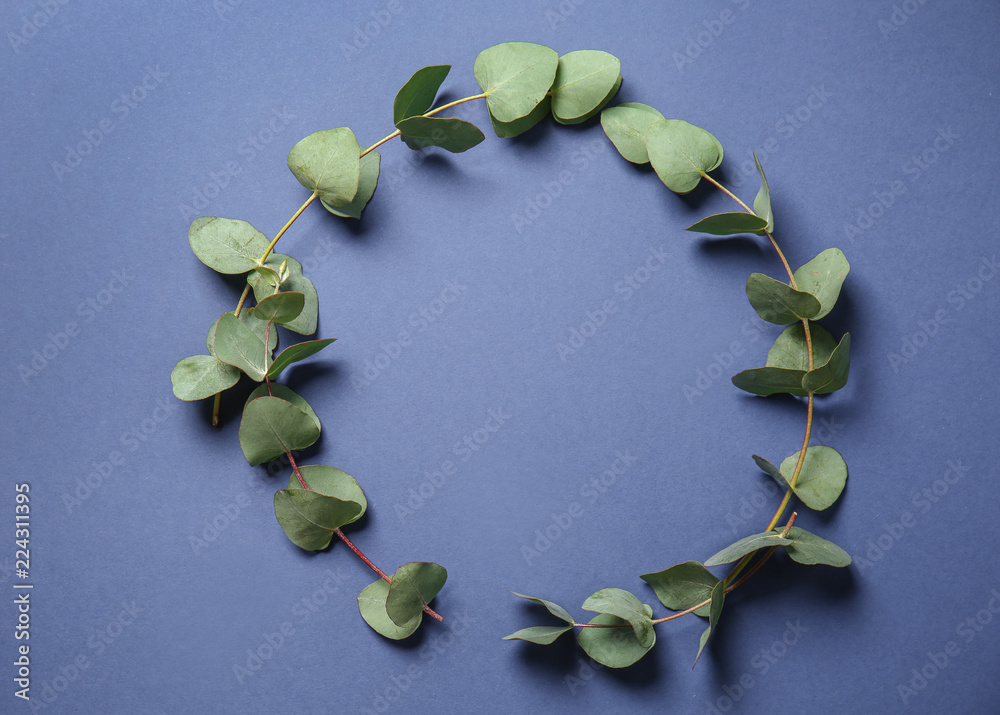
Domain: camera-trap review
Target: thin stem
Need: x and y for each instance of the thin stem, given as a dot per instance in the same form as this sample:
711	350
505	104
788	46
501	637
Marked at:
431	113
291	459
303	207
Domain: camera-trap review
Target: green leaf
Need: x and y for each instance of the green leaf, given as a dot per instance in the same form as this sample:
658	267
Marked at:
778	302
201	376
770	380
583	84
821	479
762	204
272	426
626	126
823	277
625	605
280	308
328	162
333	483
278	390
516	76
414	585
770	469
613	647
807	548
519	126
310	518
371	603
259	328
833	375
305	323
370	164
294	353
542	635
554	608
682	586
718	599
746	545
455	135
727	224
417	95
237	345
790	350
681	153
226	245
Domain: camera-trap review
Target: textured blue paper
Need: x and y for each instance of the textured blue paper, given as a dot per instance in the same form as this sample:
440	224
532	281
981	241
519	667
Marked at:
162	582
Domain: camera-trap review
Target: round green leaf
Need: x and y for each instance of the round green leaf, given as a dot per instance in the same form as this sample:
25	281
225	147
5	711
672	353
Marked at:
681	153
682	586
613	647
515	76
201	376
542	635
821	479
823	277
371	603
226	245
790	350
259	328
455	135
333	483
310	518
554	608
279	390
625	605
305	323
778	302
414	585
280	308
417	95
727	224
328	162
272	426
746	545
583	84
626	126
832	375
237	345
807	548
370	164
519	126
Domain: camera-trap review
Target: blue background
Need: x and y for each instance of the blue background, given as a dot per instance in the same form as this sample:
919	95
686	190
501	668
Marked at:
877	125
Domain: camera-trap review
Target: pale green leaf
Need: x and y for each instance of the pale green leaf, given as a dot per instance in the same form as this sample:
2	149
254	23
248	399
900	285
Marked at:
681	153
762	204
414	585
823	277
333	483
272	426
226	245
417	95
626	126
542	635
309	518
744	546
832	375
370	165
201	376
778	302
281	307
790	350
613	647
583	84
455	135
621	603
807	548
515	76
554	608
305	323
371	603
237	345
821	479
328	162
279	390
682	586
519	126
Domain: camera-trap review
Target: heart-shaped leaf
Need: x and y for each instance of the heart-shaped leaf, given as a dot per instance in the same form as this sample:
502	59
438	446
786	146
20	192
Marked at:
585	81
201	376
371	603
417	95
328	162
516	76
414	585
626	126
682	586
226	245
272	426
310	518
681	153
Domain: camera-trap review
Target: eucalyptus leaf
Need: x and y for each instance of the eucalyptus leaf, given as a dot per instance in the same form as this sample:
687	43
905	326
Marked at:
626	126
201	376
681	153
309	518
807	548
328	162
286	394
455	135
294	353
281	307
305	323
417	95
237	345
331	482
746	545
762	204
833	375
821	479
371	603
515	76
227	245
370	165
778	302
259	328
554	608
771	470
542	635
583	83
519	126
272	426
682	586
613	647
770	381
715	610
823	277
791	351
414	585
727	224
625	605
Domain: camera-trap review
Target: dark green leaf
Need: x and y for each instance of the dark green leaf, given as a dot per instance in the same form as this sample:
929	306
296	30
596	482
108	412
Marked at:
370	164
727	224
681	153
226	245
281	307
762	204
778	302
278	390
417	95
294	353
237	345
613	647
515	76
833	375
790	350
414	585
201	376
328	162
272	426
718	599
807	548
554	608
542	635
371	603
682	586
823	276
455	135
626	126
746	545
583	84
310	518
821	479
333	483
625	605
770	380
305	323
771	470
519	126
